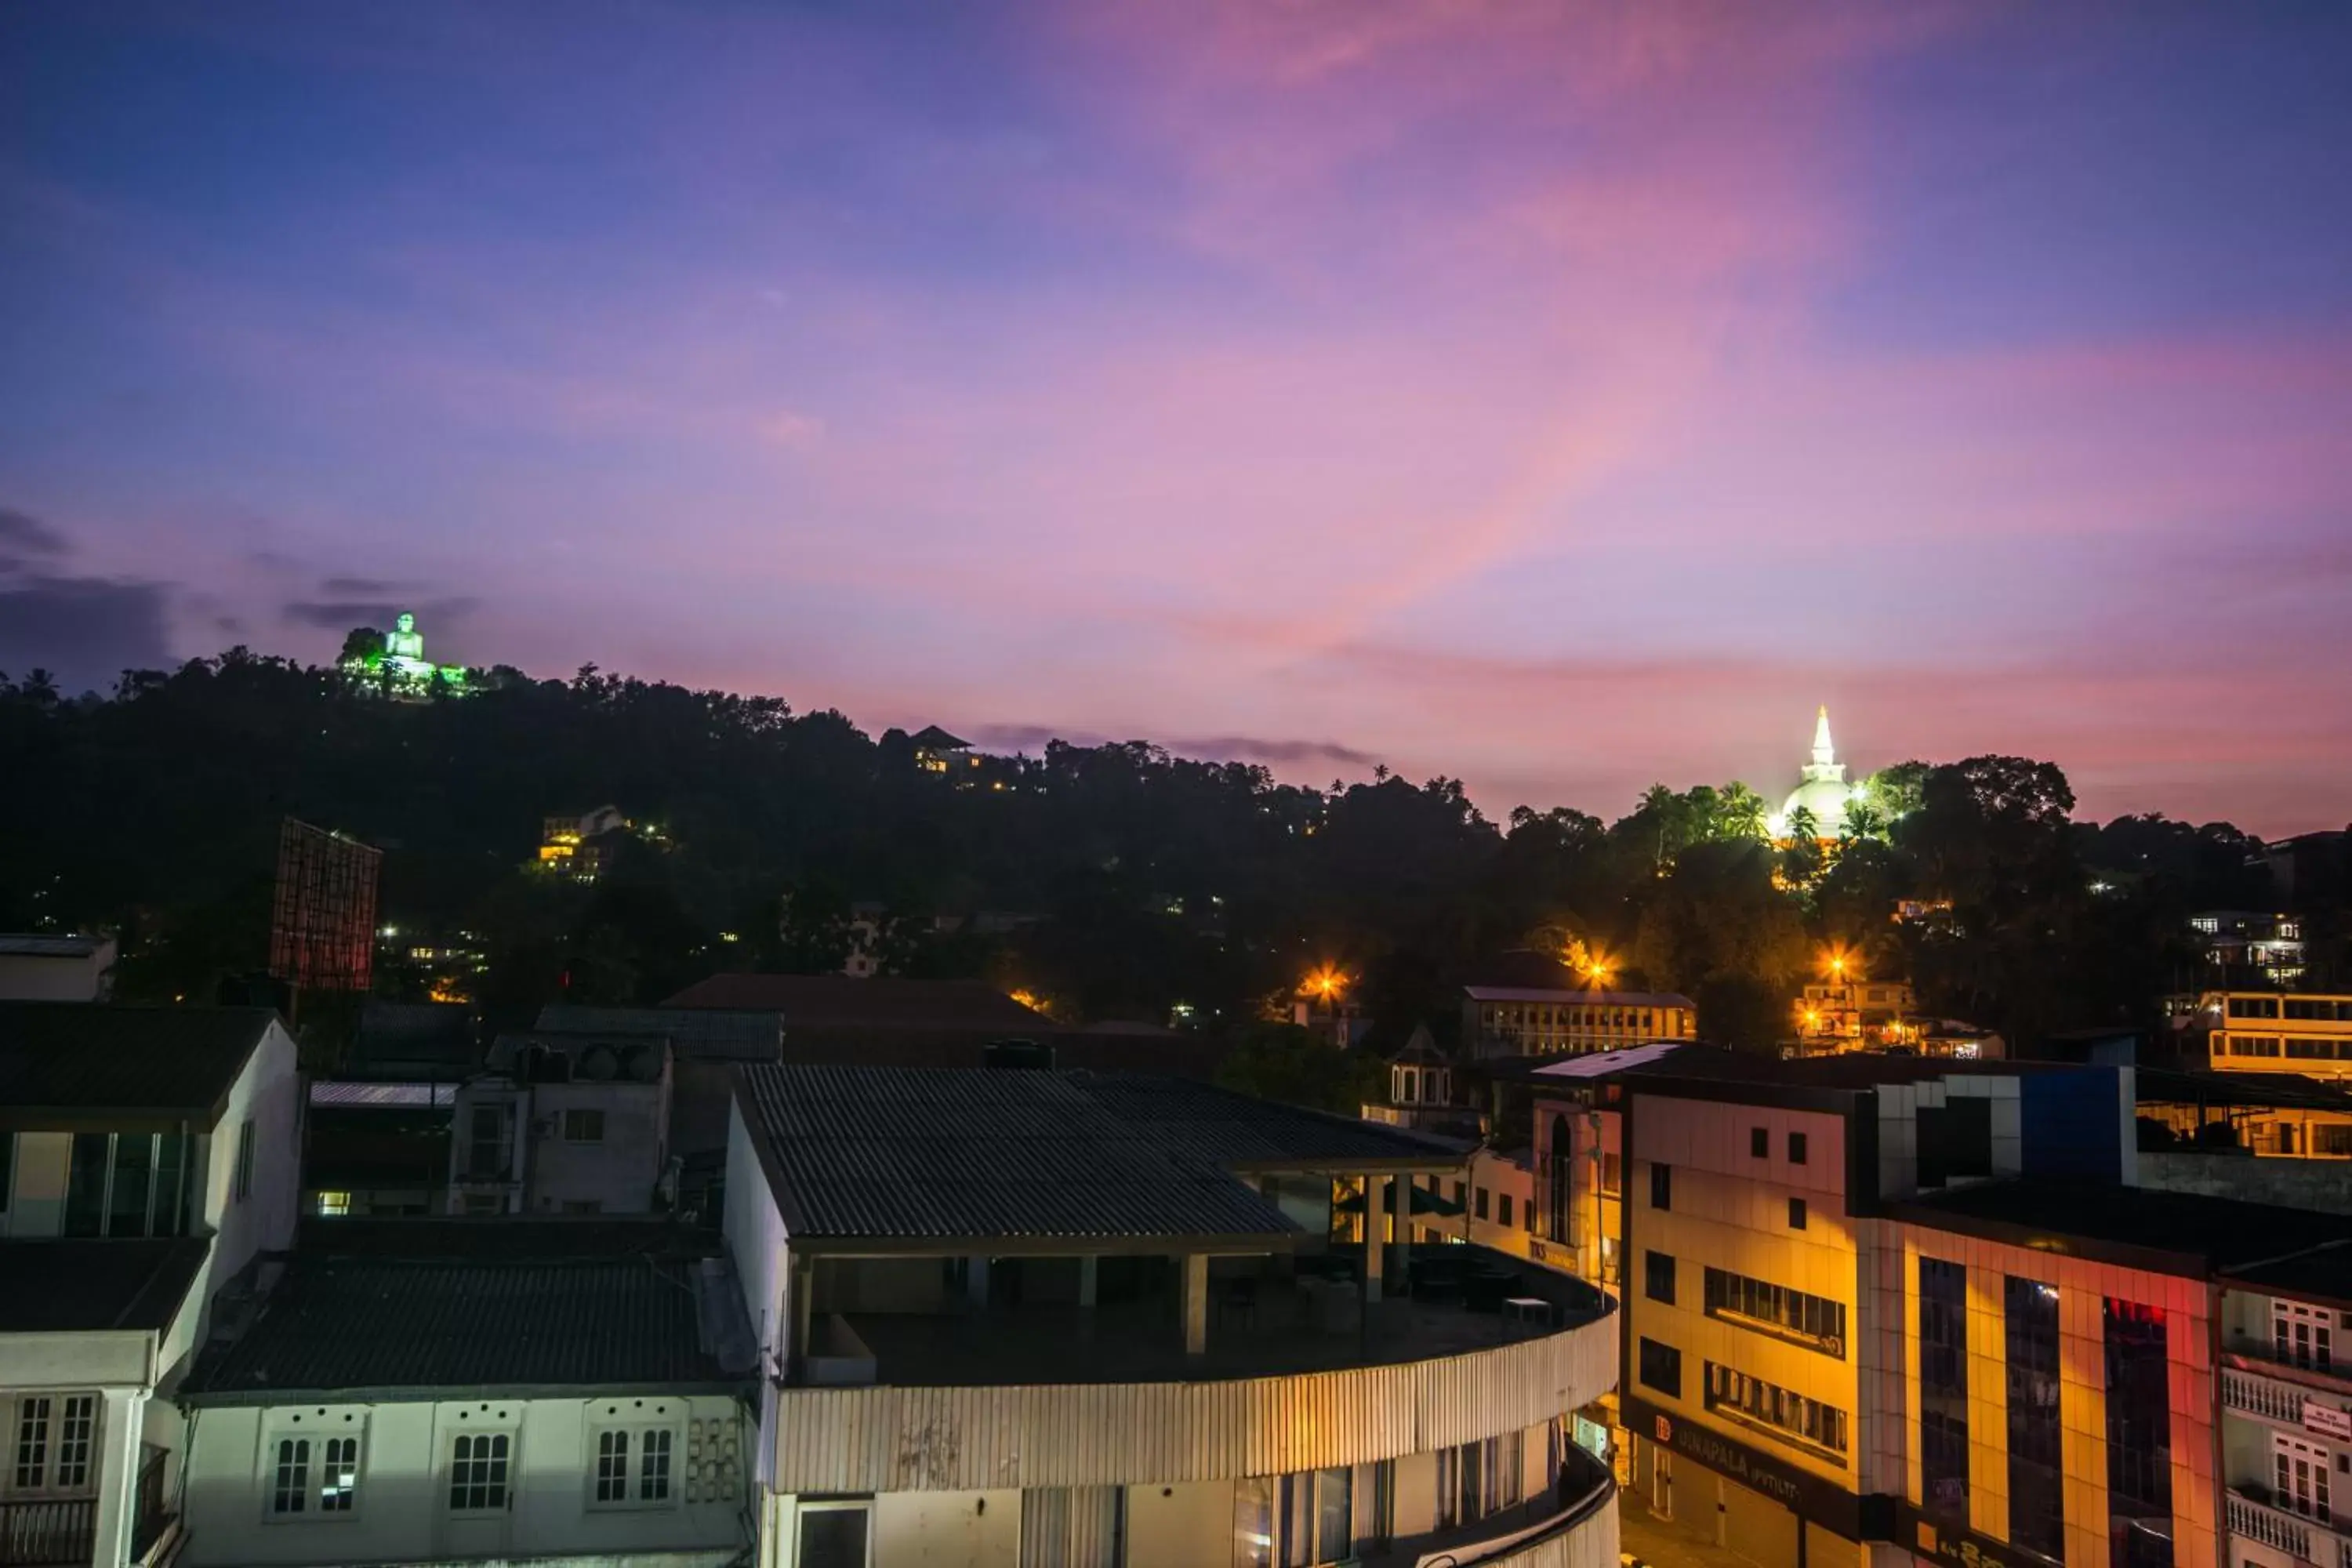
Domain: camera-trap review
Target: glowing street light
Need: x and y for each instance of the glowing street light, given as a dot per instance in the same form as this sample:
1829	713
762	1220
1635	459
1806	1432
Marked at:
1325	983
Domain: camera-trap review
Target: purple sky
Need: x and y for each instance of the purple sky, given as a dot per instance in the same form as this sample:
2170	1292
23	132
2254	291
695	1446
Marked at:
1559	403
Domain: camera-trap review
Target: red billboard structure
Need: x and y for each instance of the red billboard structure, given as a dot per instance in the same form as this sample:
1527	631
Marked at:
322	921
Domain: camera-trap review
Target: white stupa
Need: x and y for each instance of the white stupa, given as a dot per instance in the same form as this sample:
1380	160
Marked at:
1824	791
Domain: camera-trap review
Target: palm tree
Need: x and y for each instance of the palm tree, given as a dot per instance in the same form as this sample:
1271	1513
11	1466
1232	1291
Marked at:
1739	812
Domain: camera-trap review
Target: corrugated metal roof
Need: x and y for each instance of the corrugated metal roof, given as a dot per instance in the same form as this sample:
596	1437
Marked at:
1199	1122
85	1056
63	1287
365	1096
820	1002
378	1323
879	1153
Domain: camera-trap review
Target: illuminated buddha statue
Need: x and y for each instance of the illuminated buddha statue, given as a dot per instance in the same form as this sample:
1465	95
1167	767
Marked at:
405	643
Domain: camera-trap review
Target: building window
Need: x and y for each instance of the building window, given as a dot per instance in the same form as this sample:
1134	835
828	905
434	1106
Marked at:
1658	1277
243	1189
2302	1336
1796	1214
2301	1470
1797	1150
1502	1208
477	1472
2254	1007
835	1534
2036	1497
1662	1184
1779	1412
653	1467
1815	1321
32	1442
1944	1388
1072	1527
1612	1175
1759	1143
486	1159
1661	1368
583	1205
290	1490
334	1202
76	1422
583	1124
612	1466
338	1475
2139	1438
1477	1479
1481	1207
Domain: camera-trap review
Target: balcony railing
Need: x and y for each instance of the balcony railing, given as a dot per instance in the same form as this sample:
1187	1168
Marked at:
48	1533
2305	1540
2263	1396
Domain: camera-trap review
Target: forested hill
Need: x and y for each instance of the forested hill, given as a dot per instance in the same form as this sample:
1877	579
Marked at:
1144	880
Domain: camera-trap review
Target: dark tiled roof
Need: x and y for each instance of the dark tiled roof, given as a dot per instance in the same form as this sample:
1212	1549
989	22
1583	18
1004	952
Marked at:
83	1058
878	1152
500	1235
2199	1234
2154	1086
820	1002
346	1323
931	738
60	1287
714	1033
1200	1122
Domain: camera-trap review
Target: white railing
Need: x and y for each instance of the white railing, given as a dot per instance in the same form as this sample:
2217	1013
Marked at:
2305	1540
2263	1396
2267	1526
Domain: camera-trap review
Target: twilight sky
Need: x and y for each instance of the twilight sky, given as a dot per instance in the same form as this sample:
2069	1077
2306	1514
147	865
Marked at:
1561	399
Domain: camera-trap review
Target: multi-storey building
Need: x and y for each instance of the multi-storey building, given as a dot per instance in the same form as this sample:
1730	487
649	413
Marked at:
445	1391
2272	1031
563	1123
2249	945
1531	1021
1890	1304
2286	1409
1853	1013
147	1160
1059	1318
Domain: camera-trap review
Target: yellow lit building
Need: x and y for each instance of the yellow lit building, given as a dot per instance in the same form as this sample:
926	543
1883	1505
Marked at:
2272	1031
1883	1308
1525	1021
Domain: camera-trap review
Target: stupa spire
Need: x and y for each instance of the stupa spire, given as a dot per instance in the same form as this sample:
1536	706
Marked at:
1824	753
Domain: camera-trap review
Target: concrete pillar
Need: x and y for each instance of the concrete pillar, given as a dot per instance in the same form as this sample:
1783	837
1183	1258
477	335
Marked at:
1196	1303
1376	1231
1087	1280
800	1289
119	1428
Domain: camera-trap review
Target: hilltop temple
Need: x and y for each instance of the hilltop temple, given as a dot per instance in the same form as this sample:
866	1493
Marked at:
399	668
1823	793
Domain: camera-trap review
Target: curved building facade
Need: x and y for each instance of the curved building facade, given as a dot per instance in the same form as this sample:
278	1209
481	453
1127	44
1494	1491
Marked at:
1055	1319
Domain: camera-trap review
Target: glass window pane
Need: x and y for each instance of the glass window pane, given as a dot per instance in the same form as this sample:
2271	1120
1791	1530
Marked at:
135	1170
86	1185
832	1538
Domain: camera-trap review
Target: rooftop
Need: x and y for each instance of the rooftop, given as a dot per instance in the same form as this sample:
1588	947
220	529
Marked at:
1263	1322
2179	1233
1570	992
811	1002
715	1034
507	1306
67	1287
1049	1159
27	945
84	1059
414	1039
